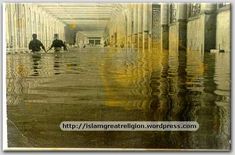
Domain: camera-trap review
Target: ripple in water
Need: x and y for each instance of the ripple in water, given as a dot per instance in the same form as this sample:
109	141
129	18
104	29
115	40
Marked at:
120	85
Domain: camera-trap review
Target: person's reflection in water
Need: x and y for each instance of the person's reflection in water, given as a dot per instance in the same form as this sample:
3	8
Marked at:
57	63
36	57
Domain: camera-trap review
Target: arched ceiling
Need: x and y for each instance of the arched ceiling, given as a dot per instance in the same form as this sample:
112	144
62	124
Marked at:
87	17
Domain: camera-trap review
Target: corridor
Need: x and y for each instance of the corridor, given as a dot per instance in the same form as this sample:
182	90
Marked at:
125	62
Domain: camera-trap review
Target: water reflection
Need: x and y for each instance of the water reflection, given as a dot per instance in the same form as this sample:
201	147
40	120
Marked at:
117	85
36	57
57	63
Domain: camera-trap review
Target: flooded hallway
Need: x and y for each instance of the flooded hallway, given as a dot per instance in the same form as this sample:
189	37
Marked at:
123	62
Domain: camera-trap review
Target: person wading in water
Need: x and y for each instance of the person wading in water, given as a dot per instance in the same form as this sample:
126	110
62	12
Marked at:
35	45
57	44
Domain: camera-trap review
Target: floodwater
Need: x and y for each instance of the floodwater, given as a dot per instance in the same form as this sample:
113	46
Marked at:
106	84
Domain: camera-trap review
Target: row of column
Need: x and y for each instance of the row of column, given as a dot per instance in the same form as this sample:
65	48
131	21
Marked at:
179	33
133	23
142	26
22	20
132	26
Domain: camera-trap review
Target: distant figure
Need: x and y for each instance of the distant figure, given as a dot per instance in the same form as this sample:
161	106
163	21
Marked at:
35	44
57	44
105	43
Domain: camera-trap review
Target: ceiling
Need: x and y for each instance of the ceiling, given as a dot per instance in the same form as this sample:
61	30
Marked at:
86	17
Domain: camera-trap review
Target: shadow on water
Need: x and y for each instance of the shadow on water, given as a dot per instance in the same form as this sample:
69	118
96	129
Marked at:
109	84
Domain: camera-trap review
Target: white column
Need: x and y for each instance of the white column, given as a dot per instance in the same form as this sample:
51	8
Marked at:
164	14
164	24
145	26
140	18
135	19
150	23
181	11
11	30
16	26
7	24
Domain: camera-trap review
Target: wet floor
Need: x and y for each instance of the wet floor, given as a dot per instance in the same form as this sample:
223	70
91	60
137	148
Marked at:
108	84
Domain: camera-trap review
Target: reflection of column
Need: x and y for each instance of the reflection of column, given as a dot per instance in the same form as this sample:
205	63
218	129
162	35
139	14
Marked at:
184	104
140	25
209	109
164	24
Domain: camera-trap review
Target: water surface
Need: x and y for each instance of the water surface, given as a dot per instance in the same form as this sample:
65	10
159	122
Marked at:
108	84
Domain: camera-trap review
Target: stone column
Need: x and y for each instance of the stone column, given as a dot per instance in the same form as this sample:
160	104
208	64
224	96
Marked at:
7	24
129	22
150	24
27	25
20	25
140	25
135	25
145	26
181	17
23	24
11	26
208	11
127	28
165	27
16	18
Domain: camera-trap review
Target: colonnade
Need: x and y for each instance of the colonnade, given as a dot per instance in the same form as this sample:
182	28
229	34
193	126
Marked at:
193	26
135	25
131	26
172	26
22	20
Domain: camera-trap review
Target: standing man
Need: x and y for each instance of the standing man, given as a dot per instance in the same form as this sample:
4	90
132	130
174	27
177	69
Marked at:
35	44
57	44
